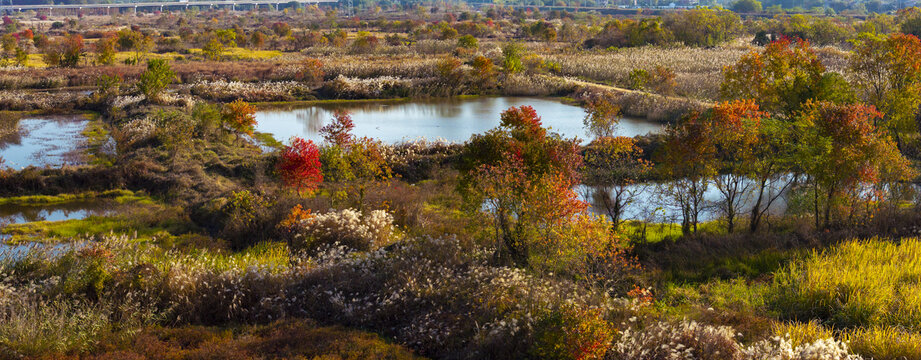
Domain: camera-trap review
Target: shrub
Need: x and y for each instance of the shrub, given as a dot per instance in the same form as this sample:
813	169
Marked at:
346	227
221	90
692	340
467	42
311	71
240	117
439	297
684	340
157	78
782	348
572	333
247	218
512	54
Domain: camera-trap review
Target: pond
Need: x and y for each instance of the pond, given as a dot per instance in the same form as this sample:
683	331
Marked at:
650	202
75	210
453	120
13	252
47	141
17	214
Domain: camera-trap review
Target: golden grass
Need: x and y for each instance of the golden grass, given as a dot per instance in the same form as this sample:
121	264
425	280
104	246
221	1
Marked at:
856	284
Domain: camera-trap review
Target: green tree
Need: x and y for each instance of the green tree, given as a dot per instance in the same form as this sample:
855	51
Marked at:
136	42
105	50
746	6
240	117
157	78
213	50
511	57
704	27
467	42
888	71
840	150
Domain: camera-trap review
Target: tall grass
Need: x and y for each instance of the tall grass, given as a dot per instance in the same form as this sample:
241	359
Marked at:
858	283
697	70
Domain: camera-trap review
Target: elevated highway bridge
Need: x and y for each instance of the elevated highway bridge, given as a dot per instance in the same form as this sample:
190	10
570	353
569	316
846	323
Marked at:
160	5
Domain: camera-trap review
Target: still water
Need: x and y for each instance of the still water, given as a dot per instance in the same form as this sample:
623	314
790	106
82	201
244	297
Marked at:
49	141
452	120
17	214
651	202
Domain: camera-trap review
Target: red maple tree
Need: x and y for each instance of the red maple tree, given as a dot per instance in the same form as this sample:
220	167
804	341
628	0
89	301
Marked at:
299	165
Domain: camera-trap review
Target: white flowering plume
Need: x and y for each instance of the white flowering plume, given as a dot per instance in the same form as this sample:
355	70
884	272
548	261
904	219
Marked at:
348	227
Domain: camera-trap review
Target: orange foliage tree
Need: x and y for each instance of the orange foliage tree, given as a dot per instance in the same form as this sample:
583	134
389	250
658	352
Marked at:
358	162
525	178
781	78
339	131
613	166
841	151
239	116
735	129
689	157
311	72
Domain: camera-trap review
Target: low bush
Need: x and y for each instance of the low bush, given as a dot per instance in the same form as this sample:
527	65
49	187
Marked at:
226	91
692	340
347	227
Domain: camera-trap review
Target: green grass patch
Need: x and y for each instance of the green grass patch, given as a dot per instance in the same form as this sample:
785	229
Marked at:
747	266
50	231
268	139
97	136
644	232
120	196
237	53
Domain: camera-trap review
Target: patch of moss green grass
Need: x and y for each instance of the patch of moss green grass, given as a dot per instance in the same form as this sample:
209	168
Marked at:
119	196
267	139
96	136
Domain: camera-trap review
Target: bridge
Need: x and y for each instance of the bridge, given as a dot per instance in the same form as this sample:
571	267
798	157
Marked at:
184	4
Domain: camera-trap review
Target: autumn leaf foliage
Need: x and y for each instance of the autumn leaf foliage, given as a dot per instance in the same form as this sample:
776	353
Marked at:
339	132
841	150
299	165
781	78
525	177
240	116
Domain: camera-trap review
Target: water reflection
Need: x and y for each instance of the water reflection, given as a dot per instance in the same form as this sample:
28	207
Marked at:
13	252
651	201
449	119
17	214
40	142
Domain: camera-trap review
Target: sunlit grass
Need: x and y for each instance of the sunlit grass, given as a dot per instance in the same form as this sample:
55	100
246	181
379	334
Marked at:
858	283
49	231
120	196
97	136
884	343
237	53
640	231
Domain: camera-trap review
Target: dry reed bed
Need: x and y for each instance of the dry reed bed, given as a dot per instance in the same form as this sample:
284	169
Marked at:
698	70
